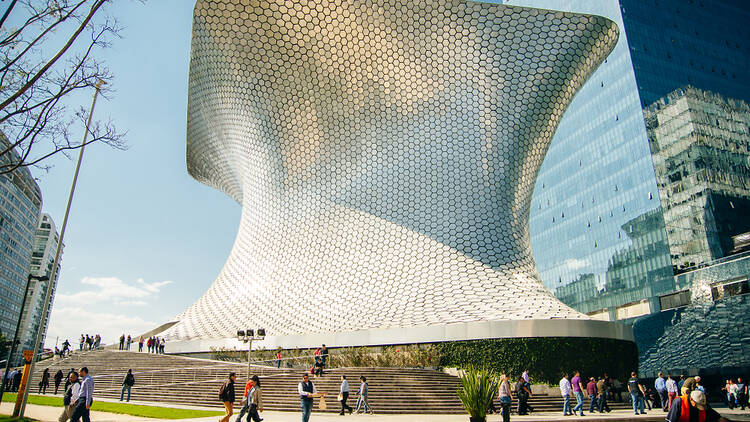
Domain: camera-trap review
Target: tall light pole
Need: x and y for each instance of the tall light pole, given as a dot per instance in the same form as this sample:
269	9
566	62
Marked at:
56	262
248	336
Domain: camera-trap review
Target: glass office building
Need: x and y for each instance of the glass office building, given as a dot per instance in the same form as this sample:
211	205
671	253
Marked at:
20	204
597	224
42	259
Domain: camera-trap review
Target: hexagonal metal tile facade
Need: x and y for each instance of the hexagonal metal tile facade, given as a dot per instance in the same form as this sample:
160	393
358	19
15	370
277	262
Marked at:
384	153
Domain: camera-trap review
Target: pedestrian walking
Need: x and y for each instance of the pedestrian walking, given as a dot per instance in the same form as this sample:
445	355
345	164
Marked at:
307	391
278	359
17	380
578	390
85	398
226	395
127	344
245	405
255	399
637	392
127	384
523	396
344	395
660	384
362	397
81	342
741	393
58	379
601	387
122	342
505	393
70	397
672	390
140	344
565	390
44	383
593	393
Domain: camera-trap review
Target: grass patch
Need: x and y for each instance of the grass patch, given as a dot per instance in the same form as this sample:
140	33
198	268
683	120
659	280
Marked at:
121	408
4	418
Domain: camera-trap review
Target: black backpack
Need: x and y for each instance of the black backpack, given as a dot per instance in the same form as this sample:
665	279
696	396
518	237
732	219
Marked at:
223	392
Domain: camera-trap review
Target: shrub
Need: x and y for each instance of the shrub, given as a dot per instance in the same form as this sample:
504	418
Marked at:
478	388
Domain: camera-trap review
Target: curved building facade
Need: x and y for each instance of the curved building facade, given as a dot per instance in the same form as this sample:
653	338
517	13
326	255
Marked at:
384	154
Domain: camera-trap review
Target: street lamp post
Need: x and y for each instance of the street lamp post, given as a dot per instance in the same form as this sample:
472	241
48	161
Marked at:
248	336
56	262
18	328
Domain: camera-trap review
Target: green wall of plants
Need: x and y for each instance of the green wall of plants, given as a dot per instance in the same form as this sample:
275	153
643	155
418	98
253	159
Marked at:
546	357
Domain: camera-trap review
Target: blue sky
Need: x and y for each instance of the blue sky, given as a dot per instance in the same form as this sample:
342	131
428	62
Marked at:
144	239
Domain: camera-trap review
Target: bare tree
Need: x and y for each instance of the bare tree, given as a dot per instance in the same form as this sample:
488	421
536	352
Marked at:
40	81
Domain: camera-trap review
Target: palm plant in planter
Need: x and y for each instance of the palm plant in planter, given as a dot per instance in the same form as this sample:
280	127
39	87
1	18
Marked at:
478	388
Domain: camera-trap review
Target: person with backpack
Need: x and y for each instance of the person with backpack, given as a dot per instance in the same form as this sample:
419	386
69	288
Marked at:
127	384
72	389
226	395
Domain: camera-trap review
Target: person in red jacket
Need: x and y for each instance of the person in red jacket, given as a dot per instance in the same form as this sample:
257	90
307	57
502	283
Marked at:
692	407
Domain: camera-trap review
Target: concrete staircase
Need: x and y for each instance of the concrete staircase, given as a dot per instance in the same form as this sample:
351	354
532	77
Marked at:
190	381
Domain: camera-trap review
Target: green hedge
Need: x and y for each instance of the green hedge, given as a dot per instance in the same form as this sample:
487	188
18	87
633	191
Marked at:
546	357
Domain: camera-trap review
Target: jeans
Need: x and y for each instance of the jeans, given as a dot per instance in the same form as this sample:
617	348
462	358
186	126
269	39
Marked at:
506	411
344	406
306	405
362	402
523	404
122	392
579	402
603	403
637	403
594	403
244	409
80	412
671	399
663	396
253	413
566	405
278	363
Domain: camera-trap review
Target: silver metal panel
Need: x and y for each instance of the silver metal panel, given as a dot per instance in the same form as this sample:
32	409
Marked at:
384	153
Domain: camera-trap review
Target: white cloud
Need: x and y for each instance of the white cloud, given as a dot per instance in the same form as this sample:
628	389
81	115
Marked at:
70	322
576	264
134	303
111	290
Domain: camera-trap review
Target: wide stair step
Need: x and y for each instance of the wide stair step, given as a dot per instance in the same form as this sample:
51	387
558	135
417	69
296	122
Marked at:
189	381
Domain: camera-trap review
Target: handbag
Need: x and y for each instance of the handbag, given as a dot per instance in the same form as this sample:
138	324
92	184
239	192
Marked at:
322	404
340	397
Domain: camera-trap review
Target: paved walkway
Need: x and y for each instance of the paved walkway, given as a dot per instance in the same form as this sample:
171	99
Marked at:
50	414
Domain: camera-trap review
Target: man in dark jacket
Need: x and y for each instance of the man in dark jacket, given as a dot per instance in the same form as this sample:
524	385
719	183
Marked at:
127	384
524	393
58	379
